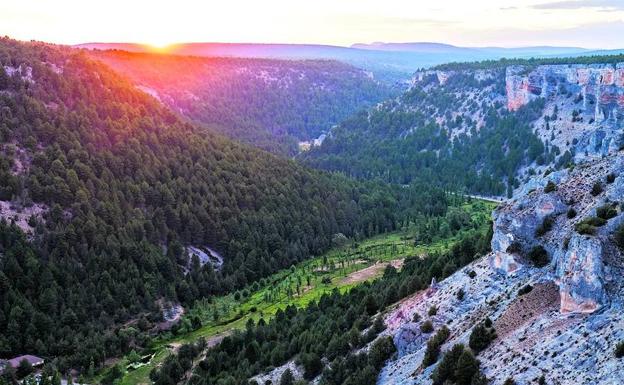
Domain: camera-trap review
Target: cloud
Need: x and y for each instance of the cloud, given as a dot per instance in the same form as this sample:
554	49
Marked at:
613	5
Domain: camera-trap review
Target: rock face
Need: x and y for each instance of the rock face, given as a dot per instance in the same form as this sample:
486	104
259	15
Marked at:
567	326
515	225
601	87
584	104
580	274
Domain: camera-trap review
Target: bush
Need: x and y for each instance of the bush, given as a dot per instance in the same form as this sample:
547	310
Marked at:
446	368
595	221
545	227
596	189
480	337
550	187
461	294
433	310
525	290
618	236
514	247
606	212
426	327
588	225
287	378
585	229
539	256
433	346
571	213
381	350
312	365
619	350
466	368
509	381
611	178
416	317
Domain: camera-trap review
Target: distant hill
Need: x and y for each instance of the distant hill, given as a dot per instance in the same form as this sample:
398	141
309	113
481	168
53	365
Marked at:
425	47
390	61
270	103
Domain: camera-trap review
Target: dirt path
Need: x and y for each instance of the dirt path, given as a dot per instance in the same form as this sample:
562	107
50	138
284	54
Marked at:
210	341
370	272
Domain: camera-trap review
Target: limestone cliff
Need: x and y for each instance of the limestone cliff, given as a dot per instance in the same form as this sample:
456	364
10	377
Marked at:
566	327
584	104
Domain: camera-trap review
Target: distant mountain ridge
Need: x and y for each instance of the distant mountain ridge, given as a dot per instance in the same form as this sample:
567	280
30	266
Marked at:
387	60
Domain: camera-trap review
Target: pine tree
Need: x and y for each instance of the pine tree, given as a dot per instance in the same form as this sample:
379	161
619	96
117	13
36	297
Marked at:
467	367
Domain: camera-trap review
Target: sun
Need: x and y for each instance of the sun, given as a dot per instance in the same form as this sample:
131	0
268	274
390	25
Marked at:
159	45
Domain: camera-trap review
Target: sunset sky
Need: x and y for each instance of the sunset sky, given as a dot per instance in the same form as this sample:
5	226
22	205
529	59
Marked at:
583	23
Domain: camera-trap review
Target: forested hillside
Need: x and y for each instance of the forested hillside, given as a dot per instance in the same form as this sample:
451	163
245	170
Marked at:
102	187
270	103
453	131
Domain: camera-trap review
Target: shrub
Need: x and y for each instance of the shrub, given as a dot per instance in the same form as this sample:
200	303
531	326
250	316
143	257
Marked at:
596	189
287	378
545	227
539	256
571	213
472	274
550	187
381	350
619	349
446	368
514	247
480	337
460	294
611	178
426	327
619	236
509	381
466	368
606	212
433	310
595	221
525	290
433	346
416	317
584	228
312	365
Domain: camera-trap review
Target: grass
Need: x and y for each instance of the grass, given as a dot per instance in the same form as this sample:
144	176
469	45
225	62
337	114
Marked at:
301	284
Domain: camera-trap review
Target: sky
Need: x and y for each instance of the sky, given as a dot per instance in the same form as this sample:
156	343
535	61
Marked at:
507	23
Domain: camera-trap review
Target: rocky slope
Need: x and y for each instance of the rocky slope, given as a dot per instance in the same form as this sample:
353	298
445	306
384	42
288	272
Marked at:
558	114
584	109
565	328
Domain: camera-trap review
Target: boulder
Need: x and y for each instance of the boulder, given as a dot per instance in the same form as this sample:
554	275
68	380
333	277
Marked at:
580	274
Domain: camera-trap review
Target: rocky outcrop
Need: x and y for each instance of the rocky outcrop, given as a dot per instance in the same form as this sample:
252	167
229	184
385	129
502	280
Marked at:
442	77
601	87
580	275
515	225
589	100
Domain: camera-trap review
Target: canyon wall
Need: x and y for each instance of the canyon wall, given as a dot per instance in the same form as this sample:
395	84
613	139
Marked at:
600	88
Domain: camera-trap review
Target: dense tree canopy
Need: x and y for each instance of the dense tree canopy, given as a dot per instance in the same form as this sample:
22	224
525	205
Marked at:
335	328
432	133
270	103
125	185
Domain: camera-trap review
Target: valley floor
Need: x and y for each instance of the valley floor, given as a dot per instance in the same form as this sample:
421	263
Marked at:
341	268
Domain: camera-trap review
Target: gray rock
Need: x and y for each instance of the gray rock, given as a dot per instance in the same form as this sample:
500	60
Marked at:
581	275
